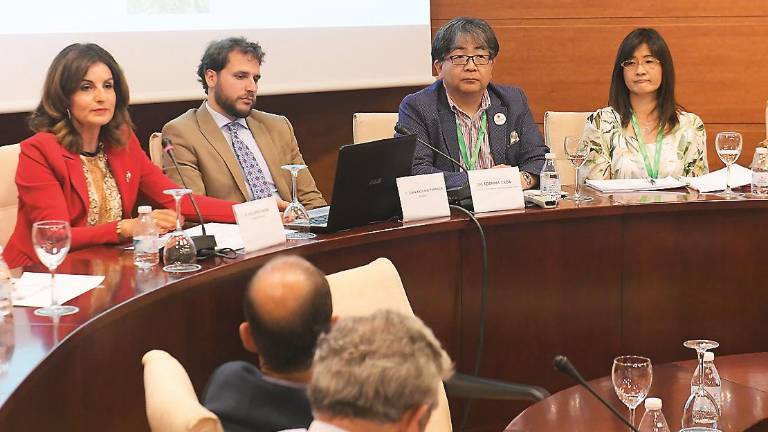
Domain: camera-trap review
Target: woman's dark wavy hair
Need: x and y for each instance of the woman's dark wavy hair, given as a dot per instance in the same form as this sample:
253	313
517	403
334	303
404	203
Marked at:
62	81
618	97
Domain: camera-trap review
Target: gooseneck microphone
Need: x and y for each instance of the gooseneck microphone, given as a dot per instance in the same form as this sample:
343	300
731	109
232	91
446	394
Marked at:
402	130
204	244
565	366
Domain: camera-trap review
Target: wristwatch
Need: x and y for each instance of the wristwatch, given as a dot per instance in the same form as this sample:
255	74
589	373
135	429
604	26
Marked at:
528	179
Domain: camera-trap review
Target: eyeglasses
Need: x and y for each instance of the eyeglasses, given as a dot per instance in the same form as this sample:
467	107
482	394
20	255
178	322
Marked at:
649	63
461	59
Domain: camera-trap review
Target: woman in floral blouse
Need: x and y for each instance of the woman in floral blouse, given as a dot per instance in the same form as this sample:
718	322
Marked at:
644	116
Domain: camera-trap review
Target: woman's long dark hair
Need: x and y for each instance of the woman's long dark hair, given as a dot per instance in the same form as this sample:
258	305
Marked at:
618	98
62	81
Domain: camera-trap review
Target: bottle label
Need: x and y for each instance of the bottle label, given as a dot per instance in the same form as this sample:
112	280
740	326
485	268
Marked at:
760	179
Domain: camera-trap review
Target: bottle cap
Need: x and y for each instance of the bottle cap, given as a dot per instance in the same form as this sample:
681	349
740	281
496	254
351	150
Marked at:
652	404
761	150
145	209
552	156
709	356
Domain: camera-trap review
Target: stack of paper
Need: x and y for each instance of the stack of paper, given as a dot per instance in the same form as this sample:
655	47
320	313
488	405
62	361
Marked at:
715	181
633	185
34	289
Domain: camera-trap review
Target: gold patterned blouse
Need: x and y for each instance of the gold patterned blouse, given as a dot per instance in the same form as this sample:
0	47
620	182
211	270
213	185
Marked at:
104	202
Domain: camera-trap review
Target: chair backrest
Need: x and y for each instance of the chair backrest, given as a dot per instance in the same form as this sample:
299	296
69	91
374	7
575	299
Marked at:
373	126
9	195
171	403
366	289
156	149
557	126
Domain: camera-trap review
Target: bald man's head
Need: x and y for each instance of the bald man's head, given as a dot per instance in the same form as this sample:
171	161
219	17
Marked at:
287	306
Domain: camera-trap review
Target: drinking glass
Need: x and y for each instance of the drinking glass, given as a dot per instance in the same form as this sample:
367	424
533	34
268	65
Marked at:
576	150
728	145
701	409
296	211
179	253
51	240
632	376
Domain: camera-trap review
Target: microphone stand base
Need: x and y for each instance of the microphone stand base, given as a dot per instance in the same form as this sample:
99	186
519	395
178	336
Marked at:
205	245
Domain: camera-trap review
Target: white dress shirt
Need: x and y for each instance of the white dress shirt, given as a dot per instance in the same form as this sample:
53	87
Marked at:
222	121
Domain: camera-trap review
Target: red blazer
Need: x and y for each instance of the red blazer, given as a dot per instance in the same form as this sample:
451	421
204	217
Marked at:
52	186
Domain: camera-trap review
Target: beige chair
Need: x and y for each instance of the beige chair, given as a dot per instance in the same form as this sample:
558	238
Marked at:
558	125
171	403
9	195
373	126
156	149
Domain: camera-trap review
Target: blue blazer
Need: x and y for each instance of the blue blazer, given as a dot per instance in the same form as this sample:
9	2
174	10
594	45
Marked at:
427	114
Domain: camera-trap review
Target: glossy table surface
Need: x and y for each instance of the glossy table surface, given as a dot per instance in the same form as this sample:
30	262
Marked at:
744	399
621	273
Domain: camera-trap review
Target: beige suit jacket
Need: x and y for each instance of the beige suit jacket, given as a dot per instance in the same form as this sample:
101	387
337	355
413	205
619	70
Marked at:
210	167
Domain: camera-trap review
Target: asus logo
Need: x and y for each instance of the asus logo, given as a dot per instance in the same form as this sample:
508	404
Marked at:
374	181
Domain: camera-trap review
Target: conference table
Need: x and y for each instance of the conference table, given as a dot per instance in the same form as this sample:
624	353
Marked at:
744	399
628	273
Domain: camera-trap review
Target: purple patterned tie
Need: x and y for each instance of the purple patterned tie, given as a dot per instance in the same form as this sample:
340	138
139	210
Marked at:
254	176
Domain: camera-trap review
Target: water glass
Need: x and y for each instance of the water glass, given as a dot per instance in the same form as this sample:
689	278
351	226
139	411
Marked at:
52	240
728	145
179	252
632	377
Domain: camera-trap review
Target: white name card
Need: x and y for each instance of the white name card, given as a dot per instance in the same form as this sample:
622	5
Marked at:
496	189
423	197
260	223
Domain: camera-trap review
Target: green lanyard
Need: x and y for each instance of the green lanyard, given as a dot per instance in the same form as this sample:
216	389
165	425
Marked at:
653	172
470	163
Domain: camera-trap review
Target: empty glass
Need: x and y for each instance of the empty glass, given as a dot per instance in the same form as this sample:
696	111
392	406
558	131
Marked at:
728	145
51	240
179	253
576	150
632	377
701	410
295	212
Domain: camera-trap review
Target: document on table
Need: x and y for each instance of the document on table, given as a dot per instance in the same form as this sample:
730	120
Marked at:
715	181
34	289
634	185
227	235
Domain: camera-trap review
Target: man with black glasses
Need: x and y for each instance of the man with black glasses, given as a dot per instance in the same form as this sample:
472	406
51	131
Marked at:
483	125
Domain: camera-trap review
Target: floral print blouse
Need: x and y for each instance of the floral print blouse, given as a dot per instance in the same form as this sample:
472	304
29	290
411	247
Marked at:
614	151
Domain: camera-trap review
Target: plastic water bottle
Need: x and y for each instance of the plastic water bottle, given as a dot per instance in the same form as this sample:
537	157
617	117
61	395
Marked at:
711	382
653	420
6	288
145	243
760	172
549	180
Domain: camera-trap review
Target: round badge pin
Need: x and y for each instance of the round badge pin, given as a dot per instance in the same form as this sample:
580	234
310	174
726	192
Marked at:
499	119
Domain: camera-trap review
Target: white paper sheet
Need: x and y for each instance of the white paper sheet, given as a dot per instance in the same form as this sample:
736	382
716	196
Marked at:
715	181
34	289
227	235
634	185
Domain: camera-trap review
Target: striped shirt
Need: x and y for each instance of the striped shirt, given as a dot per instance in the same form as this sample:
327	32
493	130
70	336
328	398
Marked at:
470	127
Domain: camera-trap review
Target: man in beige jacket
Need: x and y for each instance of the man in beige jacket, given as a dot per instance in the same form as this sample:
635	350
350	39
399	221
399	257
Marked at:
228	150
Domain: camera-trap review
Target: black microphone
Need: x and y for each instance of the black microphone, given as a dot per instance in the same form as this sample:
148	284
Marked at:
461	196
565	366
402	130
204	244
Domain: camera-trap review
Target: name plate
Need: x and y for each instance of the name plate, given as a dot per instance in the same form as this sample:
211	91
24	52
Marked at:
423	197
260	223
496	189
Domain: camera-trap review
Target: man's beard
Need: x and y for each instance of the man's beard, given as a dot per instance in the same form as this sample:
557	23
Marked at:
229	105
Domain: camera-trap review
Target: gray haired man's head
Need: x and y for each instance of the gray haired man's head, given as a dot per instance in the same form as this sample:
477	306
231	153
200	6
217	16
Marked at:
474	28
377	368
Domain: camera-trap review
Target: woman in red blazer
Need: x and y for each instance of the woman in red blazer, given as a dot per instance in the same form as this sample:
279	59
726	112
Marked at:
85	165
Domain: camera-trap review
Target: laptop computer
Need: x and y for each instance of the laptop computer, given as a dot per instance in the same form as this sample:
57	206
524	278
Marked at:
364	189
